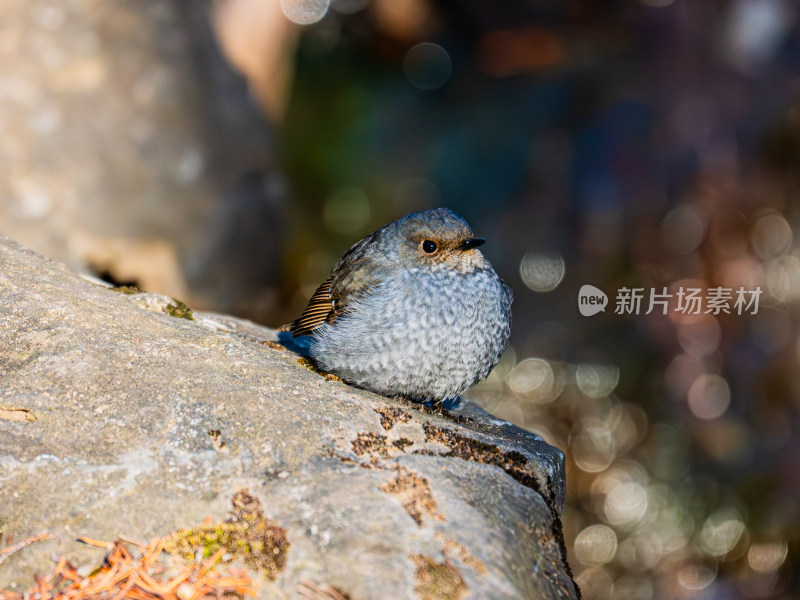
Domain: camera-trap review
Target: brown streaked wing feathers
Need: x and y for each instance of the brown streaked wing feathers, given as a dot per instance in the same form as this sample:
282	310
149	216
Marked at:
356	273
319	310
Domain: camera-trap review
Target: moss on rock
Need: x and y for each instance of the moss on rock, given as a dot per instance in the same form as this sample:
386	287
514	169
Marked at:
248	535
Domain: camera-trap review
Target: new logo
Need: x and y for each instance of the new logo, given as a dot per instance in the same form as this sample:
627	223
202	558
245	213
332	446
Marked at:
591	300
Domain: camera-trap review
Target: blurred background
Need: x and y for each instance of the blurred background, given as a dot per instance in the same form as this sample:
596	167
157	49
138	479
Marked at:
229	152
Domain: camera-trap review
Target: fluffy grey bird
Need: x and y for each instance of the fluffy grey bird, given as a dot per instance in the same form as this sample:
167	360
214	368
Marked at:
413	309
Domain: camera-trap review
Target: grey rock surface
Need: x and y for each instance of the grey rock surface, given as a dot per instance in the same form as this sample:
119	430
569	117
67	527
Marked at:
131	148
146	423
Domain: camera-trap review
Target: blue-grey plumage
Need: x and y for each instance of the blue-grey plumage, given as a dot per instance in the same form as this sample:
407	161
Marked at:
413	309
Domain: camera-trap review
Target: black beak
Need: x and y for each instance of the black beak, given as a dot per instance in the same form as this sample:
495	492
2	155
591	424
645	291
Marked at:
470	243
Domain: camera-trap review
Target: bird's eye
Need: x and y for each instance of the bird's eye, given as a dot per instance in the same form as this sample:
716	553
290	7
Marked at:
429	246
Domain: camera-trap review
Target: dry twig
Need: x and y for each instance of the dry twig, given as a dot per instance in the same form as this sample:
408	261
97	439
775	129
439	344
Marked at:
9	550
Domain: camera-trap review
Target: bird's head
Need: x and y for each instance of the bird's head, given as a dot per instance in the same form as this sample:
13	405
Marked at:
438	239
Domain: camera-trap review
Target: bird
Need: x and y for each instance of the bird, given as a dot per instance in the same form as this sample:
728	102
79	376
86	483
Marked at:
412	310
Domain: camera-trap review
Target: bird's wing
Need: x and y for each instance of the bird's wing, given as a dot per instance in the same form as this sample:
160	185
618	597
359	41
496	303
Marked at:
320	308
353	277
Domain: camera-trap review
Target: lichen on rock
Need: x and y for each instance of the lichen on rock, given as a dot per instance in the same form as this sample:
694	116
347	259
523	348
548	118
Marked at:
414	493
438	580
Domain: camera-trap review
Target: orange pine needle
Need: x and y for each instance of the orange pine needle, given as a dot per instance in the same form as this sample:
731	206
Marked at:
123	577
130	540
92	542
212	559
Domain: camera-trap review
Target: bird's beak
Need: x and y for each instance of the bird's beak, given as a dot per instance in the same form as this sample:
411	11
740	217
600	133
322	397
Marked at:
470	243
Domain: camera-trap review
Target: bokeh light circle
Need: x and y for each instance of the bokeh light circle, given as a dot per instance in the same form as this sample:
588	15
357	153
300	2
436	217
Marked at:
783	278
542	272
683	229
709	396
771	236
695	577
532	377
625	504
593	447
596	545
304	12
596	381
427	66
721	531
596	583
766	557
641	551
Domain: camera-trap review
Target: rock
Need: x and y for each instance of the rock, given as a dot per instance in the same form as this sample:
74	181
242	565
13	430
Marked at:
118	418
132	149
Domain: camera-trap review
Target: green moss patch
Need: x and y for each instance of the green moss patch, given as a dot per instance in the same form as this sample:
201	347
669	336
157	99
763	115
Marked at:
248	536
179	310
127	289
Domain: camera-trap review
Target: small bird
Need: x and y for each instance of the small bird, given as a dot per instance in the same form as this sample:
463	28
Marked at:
412	310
